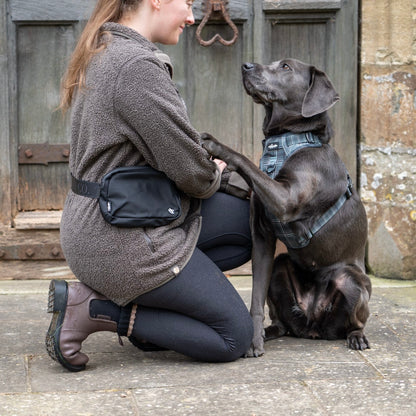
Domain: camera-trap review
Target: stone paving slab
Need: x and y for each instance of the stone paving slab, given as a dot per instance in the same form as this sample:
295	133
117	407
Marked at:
270	398
295	376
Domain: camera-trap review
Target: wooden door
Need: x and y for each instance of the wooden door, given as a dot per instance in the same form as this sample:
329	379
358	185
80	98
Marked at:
209	78
323	33
38	36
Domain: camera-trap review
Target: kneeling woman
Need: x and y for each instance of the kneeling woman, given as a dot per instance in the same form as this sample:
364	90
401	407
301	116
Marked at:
161	286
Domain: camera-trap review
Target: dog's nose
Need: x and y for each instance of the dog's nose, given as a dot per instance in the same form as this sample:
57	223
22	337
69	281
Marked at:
248	66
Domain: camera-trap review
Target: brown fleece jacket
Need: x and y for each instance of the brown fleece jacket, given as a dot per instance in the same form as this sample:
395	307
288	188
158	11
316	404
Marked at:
130	113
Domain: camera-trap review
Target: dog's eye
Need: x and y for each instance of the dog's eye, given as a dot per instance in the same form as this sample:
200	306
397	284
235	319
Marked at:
286	67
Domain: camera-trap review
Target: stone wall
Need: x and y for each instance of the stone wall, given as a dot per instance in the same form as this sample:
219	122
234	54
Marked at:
388	134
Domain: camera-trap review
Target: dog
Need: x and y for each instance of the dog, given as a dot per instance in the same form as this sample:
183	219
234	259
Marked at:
303	196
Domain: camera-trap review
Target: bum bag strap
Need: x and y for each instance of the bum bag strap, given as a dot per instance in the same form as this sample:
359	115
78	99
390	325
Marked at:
85	188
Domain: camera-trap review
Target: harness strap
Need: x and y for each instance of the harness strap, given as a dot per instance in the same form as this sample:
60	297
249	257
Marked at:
85	188
320	222
276	150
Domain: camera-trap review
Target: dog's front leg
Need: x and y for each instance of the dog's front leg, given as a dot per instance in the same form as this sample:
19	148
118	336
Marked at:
264	245
274	195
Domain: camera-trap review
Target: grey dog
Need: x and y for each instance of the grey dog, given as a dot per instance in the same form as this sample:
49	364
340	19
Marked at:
303	196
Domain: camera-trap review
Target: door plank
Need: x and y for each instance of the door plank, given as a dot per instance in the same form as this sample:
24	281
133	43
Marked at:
42	52
5	151
38	220
50	10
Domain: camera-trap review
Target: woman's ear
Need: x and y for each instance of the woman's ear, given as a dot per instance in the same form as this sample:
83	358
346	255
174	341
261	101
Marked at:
320	96
155	4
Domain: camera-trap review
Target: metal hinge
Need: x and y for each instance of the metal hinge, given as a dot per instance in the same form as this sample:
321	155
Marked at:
32	252
43	153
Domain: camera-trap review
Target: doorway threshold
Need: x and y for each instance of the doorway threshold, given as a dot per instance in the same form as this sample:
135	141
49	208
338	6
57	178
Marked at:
37	220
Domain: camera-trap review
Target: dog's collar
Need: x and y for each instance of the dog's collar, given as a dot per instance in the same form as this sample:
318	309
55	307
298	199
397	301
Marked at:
292	138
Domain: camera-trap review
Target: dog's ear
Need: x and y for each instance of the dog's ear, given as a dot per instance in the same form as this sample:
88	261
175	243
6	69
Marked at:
320	96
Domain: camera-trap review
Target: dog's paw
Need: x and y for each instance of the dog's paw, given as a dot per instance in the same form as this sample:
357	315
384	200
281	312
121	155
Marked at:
256	349
211	144
254	352
208	137
356	340
274	331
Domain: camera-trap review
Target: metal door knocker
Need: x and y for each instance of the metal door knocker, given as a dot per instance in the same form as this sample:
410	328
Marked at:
216	8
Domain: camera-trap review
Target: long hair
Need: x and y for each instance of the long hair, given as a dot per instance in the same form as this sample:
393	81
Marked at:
90	44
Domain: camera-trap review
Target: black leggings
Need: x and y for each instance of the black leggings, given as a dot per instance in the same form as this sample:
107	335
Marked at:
199	313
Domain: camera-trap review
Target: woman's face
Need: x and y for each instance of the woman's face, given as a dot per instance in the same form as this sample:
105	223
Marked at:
174	16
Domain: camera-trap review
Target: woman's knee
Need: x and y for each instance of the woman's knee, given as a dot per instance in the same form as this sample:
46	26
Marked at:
239	340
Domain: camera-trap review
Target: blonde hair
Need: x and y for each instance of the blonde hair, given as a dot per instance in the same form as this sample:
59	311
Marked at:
90	44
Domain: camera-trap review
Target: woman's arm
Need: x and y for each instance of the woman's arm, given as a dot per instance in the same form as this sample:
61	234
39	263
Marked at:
156	121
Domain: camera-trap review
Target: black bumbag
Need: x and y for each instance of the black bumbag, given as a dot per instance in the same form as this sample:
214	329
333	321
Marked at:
135	196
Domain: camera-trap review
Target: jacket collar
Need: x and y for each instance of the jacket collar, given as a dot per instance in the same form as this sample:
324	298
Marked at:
117	29
120	30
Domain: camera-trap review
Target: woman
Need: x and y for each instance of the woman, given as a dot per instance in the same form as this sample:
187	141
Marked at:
159	286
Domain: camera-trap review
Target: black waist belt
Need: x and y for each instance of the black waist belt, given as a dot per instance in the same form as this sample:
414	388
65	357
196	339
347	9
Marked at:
85	188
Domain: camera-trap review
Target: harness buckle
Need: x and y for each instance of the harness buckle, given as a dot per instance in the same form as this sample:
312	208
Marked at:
348	192
310	137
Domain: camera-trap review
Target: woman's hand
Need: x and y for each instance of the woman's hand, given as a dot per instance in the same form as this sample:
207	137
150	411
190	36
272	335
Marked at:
221	164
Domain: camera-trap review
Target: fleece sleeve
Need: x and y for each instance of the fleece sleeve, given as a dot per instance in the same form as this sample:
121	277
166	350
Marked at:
158	125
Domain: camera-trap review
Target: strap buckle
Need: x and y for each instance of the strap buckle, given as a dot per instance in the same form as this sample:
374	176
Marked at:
348	192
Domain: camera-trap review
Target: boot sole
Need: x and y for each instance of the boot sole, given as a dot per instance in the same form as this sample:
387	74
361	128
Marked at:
57	300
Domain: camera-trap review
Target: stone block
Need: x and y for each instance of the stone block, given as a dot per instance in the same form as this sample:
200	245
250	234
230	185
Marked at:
388	129
388	170
388	34
388	107
391	240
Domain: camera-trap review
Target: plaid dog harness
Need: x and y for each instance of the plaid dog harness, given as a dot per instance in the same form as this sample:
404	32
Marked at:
276	150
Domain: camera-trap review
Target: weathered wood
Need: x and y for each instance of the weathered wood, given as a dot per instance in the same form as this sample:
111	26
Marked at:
39	251
41	269
301	5
38	220
344	72
42	52
74	10
306	38
50	10
58	269
215	85
238	10
246	116
43	187
209	80
29	245
38	36
325	36
5	157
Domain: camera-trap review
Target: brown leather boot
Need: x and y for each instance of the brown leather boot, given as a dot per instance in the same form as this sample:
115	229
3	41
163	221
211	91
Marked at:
71	322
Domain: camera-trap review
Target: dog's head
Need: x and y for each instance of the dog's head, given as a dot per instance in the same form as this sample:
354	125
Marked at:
294	94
